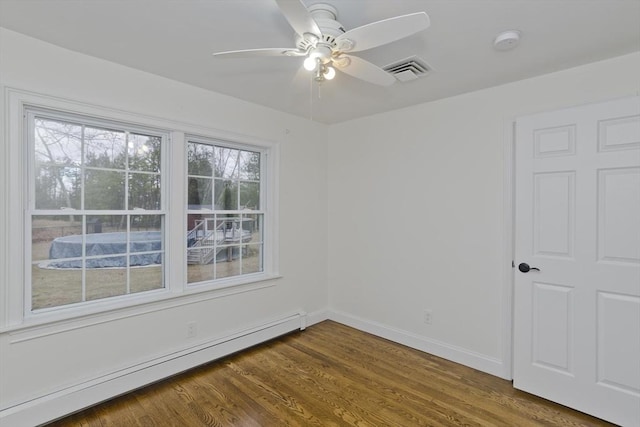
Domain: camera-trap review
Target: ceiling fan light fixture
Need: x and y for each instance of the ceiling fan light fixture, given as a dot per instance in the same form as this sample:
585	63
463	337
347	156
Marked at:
310	63
329	73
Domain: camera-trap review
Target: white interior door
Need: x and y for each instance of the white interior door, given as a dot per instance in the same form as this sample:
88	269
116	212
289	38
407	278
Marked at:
577	319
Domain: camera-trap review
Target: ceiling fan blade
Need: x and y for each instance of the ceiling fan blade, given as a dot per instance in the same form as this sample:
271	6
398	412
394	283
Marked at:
382	32
298	16
253	53
365	70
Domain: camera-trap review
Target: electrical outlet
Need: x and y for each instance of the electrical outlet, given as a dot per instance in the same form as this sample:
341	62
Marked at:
428	317
192	329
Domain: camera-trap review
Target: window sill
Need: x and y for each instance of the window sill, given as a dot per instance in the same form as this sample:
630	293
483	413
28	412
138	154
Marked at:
65	319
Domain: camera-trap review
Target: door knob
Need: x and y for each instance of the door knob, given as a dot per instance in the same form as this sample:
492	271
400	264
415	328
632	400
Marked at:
524	267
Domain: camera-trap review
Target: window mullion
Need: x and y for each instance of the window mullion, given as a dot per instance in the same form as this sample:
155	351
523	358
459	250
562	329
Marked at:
175	243
83	175
84	258
128	256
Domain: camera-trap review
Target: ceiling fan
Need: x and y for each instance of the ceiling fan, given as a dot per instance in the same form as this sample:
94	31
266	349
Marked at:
324	43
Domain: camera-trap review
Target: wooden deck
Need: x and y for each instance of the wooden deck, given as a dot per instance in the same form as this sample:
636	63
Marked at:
330	375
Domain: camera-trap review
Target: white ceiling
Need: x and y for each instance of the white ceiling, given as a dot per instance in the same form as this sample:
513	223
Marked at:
175	39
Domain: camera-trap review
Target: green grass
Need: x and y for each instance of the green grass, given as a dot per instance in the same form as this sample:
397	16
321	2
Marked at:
58	287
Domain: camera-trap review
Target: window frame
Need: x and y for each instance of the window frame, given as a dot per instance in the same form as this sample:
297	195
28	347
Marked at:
175	293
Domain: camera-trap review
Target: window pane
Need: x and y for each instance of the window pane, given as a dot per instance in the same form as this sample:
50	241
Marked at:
200	159
106	224
57	187
106	234
202	230
229	265
200	193
145	259
197	227
114	262
227	196
197	272
144	153
252	259
218	194
250	195
57	142
252	224
146	236
144	191
55	287
146	278
226	163
104	190
104	148
203	237
106	282
45	230
147	222
250	165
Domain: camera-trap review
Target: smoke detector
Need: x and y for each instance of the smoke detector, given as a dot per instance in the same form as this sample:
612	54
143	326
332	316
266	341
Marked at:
506	40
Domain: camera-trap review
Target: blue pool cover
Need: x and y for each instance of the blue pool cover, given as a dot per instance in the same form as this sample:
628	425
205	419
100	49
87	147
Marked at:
105	244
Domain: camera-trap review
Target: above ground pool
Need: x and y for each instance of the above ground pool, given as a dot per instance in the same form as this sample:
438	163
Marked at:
104	244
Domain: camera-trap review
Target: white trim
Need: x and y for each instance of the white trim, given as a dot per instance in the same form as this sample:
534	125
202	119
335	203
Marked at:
15	163
4	219
317	316
450	352
90	392
508	249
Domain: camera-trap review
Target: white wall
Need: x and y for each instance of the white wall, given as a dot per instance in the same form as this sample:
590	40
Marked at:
417	212
82	351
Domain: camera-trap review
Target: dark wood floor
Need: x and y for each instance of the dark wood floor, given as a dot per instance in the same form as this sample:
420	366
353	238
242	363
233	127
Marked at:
330	375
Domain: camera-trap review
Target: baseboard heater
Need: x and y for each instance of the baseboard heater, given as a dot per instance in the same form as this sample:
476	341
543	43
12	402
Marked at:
80	396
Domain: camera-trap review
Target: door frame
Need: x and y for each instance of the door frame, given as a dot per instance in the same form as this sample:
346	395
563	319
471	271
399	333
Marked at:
508	244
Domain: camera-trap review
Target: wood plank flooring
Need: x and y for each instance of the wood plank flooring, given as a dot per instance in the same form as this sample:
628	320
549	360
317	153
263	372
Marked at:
330	375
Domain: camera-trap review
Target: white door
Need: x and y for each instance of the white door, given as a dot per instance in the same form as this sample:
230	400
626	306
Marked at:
577	319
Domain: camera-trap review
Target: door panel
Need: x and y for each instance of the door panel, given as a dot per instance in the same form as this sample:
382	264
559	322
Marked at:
552	327
553	218
618	198
577	320
617	312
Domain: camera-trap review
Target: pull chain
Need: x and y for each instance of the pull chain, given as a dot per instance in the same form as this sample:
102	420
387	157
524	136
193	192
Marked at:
311	99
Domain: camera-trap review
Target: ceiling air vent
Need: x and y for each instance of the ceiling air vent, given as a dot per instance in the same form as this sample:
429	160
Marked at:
408	69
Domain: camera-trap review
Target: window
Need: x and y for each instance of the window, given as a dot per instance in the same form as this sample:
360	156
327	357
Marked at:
96	206
95	210
225	211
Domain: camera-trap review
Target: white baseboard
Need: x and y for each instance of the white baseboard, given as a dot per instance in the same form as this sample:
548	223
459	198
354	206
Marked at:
317	316
460	355
72	399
